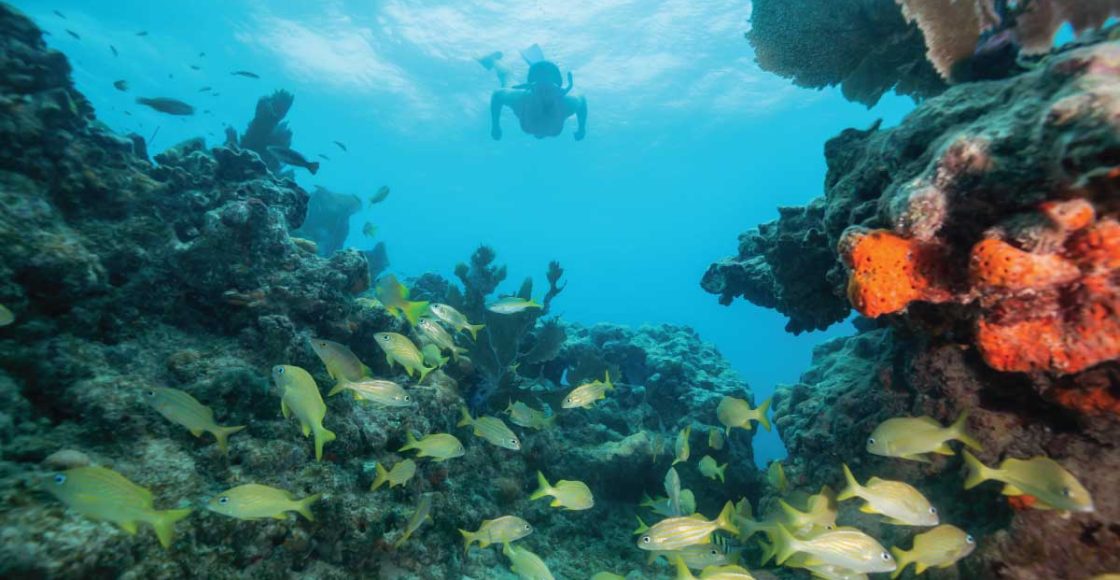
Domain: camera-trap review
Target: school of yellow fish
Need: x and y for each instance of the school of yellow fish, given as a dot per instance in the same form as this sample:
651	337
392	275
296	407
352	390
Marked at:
805	536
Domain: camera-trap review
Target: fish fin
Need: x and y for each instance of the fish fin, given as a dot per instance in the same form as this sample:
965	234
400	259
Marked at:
163	522
761	410
720	471
653	556
944	449
726	519
794	515
642	527
366	371
683	573
767	552
381	478
221	434
389	361
977	472
280	516
853	487
959	431
130	527
1012	490
305	427
338	387
303	506
414	310
920	458
424	372
920	568
896	522
785	545
473	329
465	417
322	437
284	409
468	539
902	560
549	421
197	432
867	509
542	489
409	442
607	380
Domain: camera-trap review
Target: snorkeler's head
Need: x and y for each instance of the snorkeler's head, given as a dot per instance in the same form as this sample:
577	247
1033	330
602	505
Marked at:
543	71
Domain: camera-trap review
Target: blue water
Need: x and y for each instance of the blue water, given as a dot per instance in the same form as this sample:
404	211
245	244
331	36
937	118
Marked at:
689	143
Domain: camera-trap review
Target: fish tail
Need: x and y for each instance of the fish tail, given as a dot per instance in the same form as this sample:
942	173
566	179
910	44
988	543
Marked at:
468	539
959	431
902	560
322	437
853	487
222	433
725	521
473	329
721	471
414	310
642	527
338	387
164	524
404	538
795	516
313	167
381	478
548	421
424	372
767	552
607	379
785	545
543	488
303	506
465	417
683	573
761	410
977	472
409	442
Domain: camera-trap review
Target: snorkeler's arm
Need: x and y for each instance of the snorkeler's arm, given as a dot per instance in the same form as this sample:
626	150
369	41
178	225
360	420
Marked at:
581	118
497	100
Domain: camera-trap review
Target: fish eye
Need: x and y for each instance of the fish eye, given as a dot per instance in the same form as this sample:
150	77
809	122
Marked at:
870	440
829	527
150	393
1066	492
528	527
384	339
645	539
513	441
407	398
885	556
223	500
279	370
969	539
715	552
60	478
933	510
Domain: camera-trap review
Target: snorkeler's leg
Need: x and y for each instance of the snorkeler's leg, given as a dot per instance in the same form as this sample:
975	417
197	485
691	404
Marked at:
578	106
494	62
500	98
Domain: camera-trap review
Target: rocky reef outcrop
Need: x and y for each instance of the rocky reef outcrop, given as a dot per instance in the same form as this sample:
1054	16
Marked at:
979	242
126	274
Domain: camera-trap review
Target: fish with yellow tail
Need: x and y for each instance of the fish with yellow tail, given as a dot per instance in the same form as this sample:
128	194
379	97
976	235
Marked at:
399	475
527	565
103	494
455	319
847	548
710	469
501	530
715	438
432	356
182	409
438	446
512	305
525	416
394	296
898	501
776	477
431	330
678	532
733	412
680	447
821	513
342	364
299	396
399	349
725	572
914	438
377	391
492	429
940	547
587	394
665	506
570	495
422	514
256	502
1041	477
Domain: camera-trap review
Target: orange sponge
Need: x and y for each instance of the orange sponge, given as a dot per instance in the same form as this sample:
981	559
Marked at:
998	265
888	272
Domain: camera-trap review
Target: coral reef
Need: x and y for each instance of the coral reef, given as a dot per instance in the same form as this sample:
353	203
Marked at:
268	128
183	272
979	242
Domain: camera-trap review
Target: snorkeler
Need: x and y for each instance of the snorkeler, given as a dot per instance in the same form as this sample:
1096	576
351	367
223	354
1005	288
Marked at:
542	104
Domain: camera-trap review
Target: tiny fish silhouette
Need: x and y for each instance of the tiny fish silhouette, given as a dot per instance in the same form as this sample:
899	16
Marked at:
341	145
142	33
245	73
114	49
74	34
59	14
121	85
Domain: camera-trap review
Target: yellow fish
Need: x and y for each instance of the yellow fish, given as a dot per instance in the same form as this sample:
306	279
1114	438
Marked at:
527	565
492	429
511	305
1041	477
435	333
734	412
663	506
849	548
377	391
698	556
254	502
439	446
570	495
342	364
422	514
182	409
6	316
525	416
299	396
455	319
497	531
940	547
914	437
680	532
680	447
103	494
399	349
821	514
585	395
432	357
394	296
710	469
776	477
399	475
714	572
900	502
715	438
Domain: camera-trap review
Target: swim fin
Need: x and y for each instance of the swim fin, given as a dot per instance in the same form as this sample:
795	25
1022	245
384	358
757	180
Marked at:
533	54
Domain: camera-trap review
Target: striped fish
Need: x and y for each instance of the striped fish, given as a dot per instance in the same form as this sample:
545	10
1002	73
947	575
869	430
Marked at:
491	429
681	532
182	409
